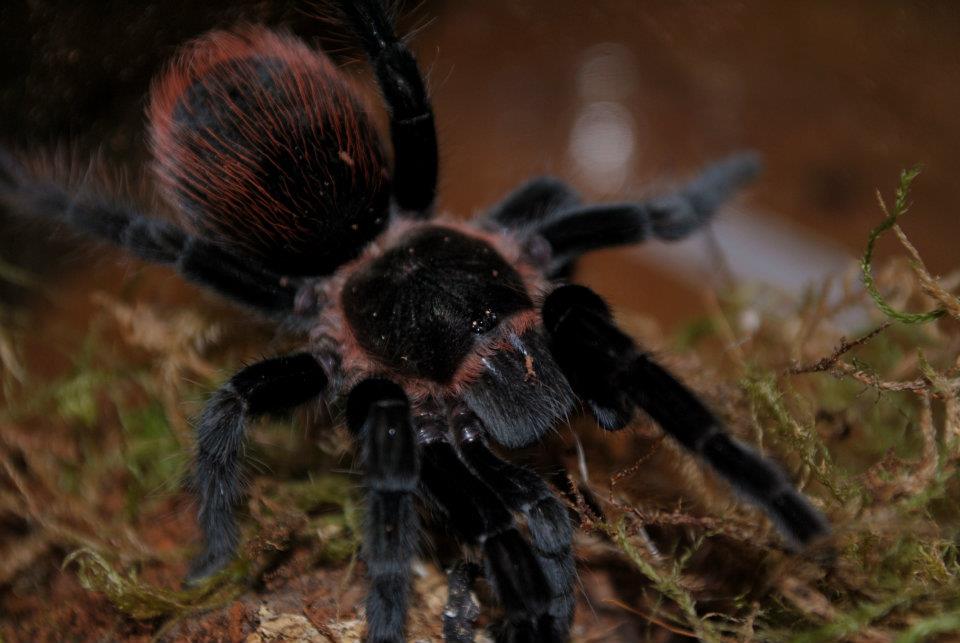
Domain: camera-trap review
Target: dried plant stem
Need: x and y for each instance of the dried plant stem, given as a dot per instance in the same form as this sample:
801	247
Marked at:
829	362
930	286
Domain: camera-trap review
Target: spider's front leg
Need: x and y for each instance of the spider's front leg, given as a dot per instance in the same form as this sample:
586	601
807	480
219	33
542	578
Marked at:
609	373
548	213
378	415
271	386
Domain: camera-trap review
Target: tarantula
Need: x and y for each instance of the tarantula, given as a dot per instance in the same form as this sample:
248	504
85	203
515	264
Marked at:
450	341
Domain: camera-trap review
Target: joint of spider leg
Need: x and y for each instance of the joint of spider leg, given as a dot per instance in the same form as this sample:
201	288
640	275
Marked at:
363	397
309	300
327	355
389	448
429	423
537	251
708	435
230	390
464	424
569	300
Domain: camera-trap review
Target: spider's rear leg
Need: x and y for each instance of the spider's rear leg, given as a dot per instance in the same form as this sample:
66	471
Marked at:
609	372
574	230
271	386
478	516
378	414
150	239
412	128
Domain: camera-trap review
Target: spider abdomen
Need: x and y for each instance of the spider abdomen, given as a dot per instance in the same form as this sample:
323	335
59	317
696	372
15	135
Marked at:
260	142
420	307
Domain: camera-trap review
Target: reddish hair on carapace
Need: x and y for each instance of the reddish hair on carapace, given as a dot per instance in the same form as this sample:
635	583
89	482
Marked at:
259	141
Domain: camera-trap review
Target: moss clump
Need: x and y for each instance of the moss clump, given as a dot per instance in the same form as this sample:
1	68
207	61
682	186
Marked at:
870	427
146	601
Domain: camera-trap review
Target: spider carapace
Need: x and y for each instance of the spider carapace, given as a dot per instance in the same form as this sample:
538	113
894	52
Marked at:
450	342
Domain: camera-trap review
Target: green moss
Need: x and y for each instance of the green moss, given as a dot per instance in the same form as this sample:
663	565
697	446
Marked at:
769	405
845	624
76	397
151	455
900	207
142	600
694	332
925	629
890	571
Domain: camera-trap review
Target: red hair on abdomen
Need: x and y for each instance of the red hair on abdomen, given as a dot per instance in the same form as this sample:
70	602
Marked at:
261	143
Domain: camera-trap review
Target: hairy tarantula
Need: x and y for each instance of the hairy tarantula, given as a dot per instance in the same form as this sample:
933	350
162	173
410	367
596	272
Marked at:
450	341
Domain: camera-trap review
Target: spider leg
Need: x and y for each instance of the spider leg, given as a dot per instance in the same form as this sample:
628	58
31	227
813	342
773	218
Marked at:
533	202
480	518
412	128
379	415
609	372
270	386
237	278
579	230
461	611
523	491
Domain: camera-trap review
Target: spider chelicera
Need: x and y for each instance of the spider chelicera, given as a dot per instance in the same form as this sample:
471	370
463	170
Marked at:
450	341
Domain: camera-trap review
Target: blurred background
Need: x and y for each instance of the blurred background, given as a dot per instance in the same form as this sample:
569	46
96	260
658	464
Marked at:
623	99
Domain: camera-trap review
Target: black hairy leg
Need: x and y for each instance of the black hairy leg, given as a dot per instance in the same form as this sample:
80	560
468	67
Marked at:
461	610
610	374
150	239
532	203
412	128
378	415
480	519
271	386
523	491
581	229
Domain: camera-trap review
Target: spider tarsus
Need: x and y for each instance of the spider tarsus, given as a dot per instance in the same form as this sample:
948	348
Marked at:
461	611
674	216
